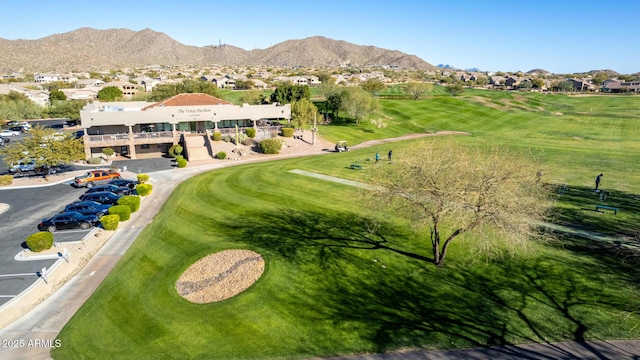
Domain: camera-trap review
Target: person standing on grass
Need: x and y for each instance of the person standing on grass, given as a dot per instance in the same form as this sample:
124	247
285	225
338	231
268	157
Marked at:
390	154
598	179
377	157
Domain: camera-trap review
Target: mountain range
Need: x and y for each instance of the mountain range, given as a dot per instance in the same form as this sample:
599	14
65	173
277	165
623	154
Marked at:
87	49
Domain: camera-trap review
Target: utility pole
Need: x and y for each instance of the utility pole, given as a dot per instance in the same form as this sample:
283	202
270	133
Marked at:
313	131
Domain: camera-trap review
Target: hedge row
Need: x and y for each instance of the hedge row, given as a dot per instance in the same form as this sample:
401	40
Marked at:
132	201
123	212
144	189
110	222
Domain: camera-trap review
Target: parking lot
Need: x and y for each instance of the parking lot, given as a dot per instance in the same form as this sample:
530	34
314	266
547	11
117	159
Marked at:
27	207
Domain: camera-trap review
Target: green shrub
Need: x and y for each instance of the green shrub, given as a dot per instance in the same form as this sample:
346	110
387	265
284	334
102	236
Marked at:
144	189
287	132
175	150
179	157
108	152
94	161
143	178
251	132
217	136
6	180
123	211
110	222
132	201
39	241
270	146
221	155
181	162
226	138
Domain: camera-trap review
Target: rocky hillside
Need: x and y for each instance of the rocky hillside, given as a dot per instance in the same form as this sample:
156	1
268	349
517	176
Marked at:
90	49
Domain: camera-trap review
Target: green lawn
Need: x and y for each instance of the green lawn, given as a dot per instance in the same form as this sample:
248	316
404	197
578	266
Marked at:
333	286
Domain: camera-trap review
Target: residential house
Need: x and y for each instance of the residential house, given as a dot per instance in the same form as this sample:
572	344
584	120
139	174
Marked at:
497	81
46	78
40	97
313	80
582	84
148	83
617	86
83	93
259	84
222	82
512	81
468	77
89	83
68	78
128	89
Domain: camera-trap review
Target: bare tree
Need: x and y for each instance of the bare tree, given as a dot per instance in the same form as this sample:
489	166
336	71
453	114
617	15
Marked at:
451	191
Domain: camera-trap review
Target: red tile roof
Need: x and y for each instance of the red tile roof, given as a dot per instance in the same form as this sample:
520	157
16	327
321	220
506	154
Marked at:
196	99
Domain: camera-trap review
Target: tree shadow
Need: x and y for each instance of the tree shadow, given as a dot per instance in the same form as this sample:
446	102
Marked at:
577	207
293	232
417	305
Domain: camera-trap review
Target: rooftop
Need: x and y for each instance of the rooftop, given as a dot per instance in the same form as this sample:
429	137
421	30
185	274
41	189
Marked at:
191	99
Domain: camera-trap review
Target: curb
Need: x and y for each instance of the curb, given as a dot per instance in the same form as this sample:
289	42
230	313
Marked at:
35	186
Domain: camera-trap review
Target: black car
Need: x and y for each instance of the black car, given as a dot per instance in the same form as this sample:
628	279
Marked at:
104	197
120	191
68	220
88	208
131	184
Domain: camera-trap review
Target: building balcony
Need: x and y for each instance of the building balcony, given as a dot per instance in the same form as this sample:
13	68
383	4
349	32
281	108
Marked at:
136	138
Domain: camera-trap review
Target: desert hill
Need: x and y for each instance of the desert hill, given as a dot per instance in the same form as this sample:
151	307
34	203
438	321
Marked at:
90	49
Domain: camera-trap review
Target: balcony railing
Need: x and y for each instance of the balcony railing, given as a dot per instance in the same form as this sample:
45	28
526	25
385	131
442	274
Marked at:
108	137
153	135
136	136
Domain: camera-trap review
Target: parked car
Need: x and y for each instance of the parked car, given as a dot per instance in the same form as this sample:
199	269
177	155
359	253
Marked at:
121	191
88	208
28	168
21	126
18	128
131	184
68	220
9	133
95	177
103	197
23	166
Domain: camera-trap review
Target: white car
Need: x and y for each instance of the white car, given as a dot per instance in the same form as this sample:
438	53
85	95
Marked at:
7	133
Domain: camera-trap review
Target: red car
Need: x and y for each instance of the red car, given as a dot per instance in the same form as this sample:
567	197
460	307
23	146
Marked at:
94	177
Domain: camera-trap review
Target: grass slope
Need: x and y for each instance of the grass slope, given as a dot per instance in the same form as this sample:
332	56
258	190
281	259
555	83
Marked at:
333	286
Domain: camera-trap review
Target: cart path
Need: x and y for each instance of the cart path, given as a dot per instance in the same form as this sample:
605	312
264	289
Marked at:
370	143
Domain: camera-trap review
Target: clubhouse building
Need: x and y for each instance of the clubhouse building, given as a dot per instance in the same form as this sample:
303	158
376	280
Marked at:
144	129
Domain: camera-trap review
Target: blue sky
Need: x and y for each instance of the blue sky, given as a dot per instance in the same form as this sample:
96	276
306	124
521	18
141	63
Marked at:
561	36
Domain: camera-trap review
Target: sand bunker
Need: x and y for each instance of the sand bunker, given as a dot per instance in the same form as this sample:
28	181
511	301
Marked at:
220	276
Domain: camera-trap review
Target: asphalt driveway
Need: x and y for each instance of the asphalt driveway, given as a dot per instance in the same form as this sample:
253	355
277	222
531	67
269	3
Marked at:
27	207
